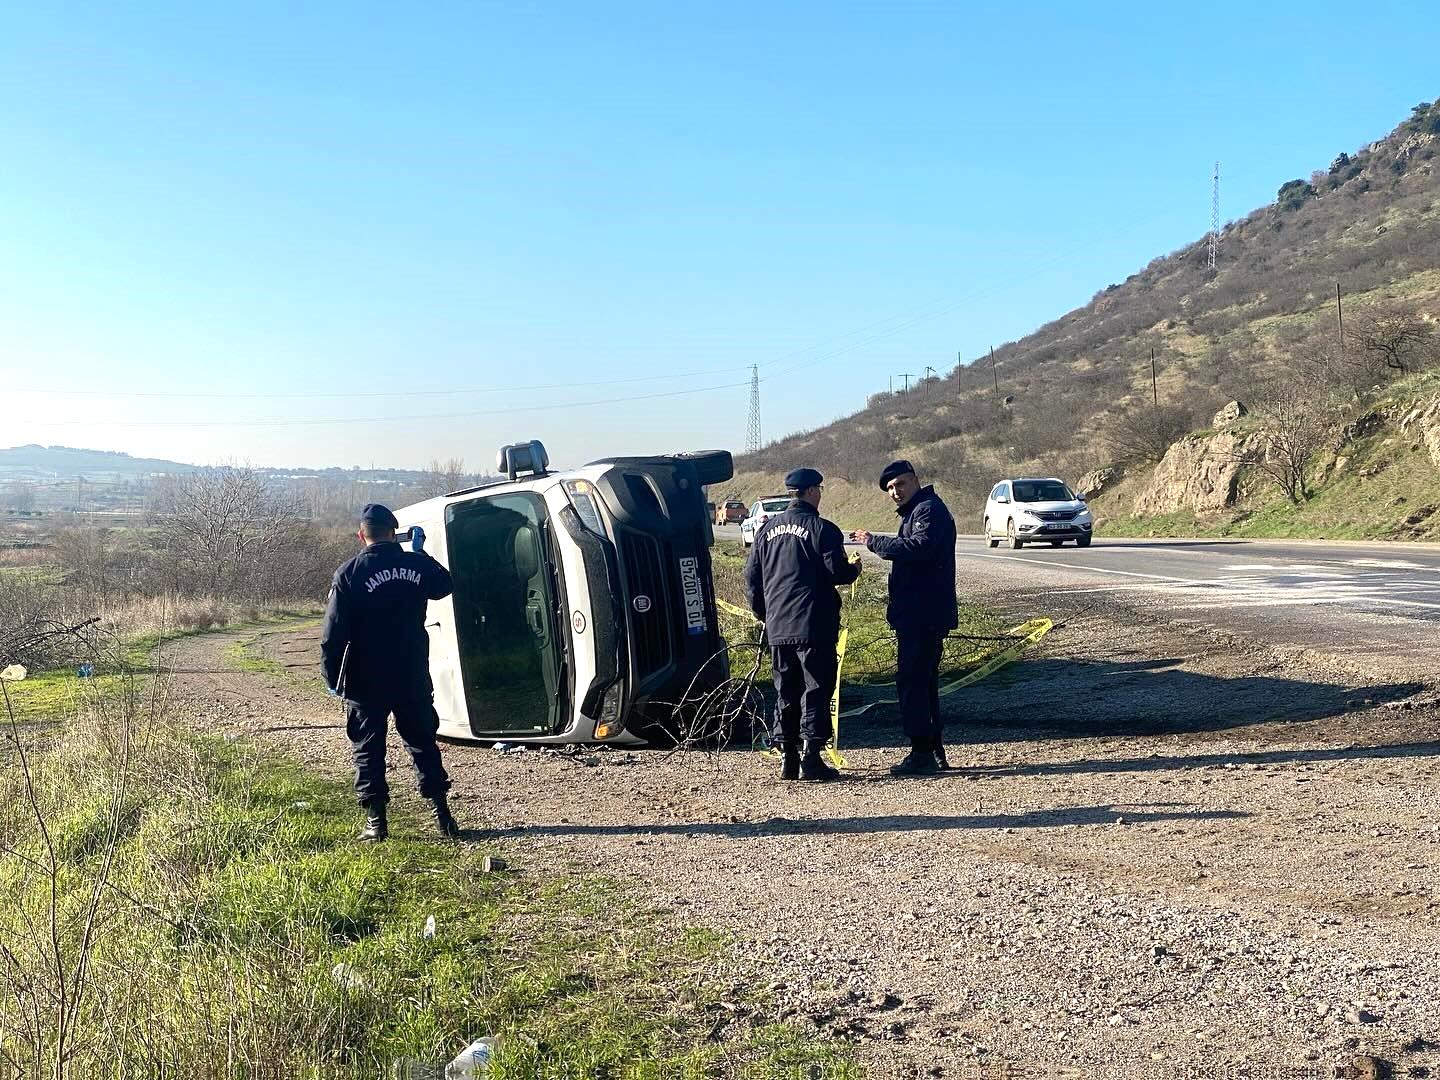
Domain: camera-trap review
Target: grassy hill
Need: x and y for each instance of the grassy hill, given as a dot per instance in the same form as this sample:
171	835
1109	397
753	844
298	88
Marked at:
1369	222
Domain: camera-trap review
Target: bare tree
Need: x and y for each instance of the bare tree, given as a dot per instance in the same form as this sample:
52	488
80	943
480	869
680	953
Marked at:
20	497
1392	339
1142	435
1294	423
225	532
443	477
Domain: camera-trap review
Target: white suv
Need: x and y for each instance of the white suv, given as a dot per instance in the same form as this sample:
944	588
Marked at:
1031	510
762	511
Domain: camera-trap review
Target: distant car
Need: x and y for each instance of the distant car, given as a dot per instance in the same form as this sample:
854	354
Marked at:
1033	510
760	512
731	512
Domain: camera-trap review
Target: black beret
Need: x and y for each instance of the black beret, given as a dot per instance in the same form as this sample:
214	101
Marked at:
378	516
894	469
800	479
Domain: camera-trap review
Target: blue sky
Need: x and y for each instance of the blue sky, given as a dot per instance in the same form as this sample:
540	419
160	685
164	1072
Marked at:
469	210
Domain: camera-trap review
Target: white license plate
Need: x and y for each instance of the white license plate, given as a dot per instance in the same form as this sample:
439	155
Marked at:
694	595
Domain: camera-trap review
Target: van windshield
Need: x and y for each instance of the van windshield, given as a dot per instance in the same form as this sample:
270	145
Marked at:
1042	491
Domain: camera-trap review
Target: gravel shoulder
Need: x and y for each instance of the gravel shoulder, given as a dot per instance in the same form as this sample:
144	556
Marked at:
1164	845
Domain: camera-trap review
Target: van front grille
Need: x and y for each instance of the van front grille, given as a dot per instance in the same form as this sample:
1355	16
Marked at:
645	586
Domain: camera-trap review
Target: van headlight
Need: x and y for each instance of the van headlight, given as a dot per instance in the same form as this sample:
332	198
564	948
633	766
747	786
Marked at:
608	724
581	494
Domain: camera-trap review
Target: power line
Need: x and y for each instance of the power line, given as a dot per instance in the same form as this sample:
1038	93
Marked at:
313	420
284	395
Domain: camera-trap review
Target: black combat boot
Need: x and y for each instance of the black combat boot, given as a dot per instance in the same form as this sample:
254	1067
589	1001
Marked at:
790	764
444	821
919	762
376	827
812	765
941	761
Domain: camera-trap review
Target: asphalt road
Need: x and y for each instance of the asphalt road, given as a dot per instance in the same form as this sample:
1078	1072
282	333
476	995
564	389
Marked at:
1375	606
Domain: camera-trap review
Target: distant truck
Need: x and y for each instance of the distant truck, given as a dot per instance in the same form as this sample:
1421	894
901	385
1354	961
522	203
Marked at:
584	605
730	512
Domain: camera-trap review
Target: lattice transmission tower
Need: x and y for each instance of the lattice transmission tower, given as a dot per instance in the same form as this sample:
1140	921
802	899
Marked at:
1214	244
752	429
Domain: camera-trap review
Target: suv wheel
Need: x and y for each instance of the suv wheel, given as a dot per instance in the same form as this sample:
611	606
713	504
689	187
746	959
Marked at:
1015	542
990	541
1082	541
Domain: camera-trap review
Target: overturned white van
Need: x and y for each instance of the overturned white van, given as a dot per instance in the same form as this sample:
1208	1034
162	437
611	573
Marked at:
584	607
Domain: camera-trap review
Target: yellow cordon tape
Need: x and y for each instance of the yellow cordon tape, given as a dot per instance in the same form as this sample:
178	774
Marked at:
1026	634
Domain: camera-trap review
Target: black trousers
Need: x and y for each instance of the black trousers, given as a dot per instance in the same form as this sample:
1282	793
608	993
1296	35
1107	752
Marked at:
917	683
416	722
804	683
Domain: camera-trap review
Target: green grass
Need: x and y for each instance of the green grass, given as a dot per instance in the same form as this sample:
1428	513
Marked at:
243	928
242	656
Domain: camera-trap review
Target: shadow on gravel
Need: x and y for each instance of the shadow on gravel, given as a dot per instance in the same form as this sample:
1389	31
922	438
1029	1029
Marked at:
1161	762
1057	698
890	823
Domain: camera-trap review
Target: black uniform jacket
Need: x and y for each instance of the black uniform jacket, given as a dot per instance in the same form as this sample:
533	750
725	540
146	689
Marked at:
375	624
796	562
922	581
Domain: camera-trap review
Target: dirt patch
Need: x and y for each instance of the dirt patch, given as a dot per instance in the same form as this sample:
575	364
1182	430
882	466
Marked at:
1163	845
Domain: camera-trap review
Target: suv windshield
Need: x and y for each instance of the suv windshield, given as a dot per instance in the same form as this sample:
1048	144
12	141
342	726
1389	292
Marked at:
1042	491
770	506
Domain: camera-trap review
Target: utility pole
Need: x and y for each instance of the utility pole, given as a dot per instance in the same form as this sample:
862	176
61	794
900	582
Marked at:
907	376
1339	323
993	372
1154	386
929	371
752	428
1214	245
959	363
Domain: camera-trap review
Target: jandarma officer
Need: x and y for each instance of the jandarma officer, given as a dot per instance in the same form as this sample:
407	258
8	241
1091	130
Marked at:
376	656
922	608
796	562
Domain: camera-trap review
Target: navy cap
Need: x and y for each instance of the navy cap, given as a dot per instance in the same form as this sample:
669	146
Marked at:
800	479
894	469
378	516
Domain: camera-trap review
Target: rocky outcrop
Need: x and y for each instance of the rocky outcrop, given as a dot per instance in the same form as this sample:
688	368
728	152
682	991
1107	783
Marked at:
1229	414
1199	473
1422	418
1093	483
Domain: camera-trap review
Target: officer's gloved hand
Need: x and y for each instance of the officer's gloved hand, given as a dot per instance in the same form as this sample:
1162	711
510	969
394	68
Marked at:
417	539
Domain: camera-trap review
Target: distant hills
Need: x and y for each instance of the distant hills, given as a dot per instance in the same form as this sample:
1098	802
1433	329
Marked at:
52	463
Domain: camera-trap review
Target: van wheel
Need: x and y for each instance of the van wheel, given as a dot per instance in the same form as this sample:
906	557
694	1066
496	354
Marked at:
1015	542
990	541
